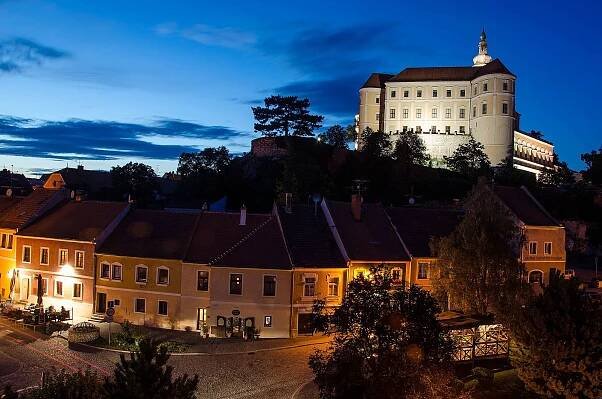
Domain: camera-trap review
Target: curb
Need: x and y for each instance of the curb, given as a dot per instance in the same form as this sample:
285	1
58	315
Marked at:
87	346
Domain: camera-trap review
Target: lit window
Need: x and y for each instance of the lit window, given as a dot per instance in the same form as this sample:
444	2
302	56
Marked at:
423	271
10	242
105	270
418	113
140	305
392	113
448	93
63	256
309	286
396	275
236	284
434	112
447	113
533	248
44	286
505	108
418	93
58	288
269	285
484	109
267	321
462	93
79	259
393	93
26	254
4	243
162	308
462	113
116	272
44	256
435	93
547	248
77	290
141	274
333	286
406	113
406	93
536	277
202	280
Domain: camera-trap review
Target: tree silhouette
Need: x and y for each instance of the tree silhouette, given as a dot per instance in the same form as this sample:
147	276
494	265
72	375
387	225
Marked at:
470	159
285	116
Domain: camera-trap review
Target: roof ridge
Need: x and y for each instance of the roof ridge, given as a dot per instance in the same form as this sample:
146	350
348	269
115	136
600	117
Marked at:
539	205
240	242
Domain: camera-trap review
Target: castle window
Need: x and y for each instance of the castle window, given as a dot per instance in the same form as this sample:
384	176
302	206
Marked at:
505	108
393	94
474	111
462	113
474	90
447	129
448	93
447	113
462	93
377	100
405	113
418	113
377	116
462	130
392	113
434	112
418	93
406	93
485	86
433	129
435	93
505	85
484	109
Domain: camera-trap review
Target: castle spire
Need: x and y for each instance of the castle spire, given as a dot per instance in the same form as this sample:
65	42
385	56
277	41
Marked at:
483	57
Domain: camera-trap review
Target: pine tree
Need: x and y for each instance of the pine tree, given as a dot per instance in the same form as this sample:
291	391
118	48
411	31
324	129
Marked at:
285	116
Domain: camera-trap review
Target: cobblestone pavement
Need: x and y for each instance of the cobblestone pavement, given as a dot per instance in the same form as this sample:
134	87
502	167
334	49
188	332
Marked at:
272	374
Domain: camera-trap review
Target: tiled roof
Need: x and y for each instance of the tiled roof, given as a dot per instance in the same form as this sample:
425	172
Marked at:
417	226
377	80
524	206
92	180
219	240
82	221
151	234
370	239
309	239
30	207
8	202
464	73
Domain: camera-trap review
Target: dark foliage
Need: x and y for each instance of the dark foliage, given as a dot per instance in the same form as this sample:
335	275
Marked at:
338	136
136	180
593	161
470	160
284	116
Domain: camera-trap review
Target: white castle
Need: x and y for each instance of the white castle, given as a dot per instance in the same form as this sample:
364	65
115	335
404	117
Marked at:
447	105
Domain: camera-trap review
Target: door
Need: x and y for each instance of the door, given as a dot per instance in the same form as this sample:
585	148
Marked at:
304	324
101	304
201	318
24	294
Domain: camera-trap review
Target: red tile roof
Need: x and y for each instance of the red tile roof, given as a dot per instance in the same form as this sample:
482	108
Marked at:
524	206
372	239
81	221
151	234
8	202
31	207
377	80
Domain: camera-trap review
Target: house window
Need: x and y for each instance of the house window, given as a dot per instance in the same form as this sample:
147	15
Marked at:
140	305
448	129
162	308
448	93
406	113
116	272
141	274
7	241
423	271
63	256
267	321
505	108
79	259
474	111
447	113
309	286
485	86
202	280
377	100
462	129
462	93
333	286
116	302
396	275
484	109
418	113
406	93
462	113
377	116
434	112
505	85
418	93
269	285
236	284
44	256
162	276
44	286
533	248
536	277
58	288
78	290
392	113
435	93
105	270
26	254
547	248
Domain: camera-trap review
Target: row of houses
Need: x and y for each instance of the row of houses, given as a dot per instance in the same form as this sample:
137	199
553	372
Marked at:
219	272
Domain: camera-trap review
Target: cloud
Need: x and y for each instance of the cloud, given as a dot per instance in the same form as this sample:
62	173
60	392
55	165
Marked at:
208	35
17	54
105	140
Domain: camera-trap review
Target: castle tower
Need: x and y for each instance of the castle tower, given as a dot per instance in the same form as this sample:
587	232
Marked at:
483	57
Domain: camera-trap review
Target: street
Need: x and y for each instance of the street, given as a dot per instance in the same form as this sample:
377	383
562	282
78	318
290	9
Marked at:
24	355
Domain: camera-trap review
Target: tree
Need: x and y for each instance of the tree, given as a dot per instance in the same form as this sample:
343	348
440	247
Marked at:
557	341
557	176
478	262
337	136
593	160
385	339
284	116
410	149
136	179
63	385
375	145
146	375
536	134
210	159
469	159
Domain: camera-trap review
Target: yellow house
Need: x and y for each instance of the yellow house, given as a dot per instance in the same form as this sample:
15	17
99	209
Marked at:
139	268
319	270
16	214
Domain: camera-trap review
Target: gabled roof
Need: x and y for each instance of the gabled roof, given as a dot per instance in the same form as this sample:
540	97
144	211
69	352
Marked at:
8	202
308	237
151	234
417	226
377	80
524	206
461	73
81	221
372	239
80	178
220	240
30	207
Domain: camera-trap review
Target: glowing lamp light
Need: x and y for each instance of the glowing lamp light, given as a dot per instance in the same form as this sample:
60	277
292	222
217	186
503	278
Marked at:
67	270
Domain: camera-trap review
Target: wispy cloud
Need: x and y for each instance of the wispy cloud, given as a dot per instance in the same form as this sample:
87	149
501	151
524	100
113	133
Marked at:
17	54
107	140
208	35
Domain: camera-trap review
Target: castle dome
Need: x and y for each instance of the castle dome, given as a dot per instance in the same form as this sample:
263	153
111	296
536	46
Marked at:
483	57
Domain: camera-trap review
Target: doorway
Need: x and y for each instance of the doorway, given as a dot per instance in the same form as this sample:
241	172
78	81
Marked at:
24	292
101	304
304	324
201	318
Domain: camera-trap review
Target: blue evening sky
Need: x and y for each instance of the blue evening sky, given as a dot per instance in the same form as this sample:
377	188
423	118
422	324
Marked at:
105	82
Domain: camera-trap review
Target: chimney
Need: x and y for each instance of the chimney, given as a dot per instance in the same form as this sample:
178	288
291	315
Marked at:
356	207
80	167
243	215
